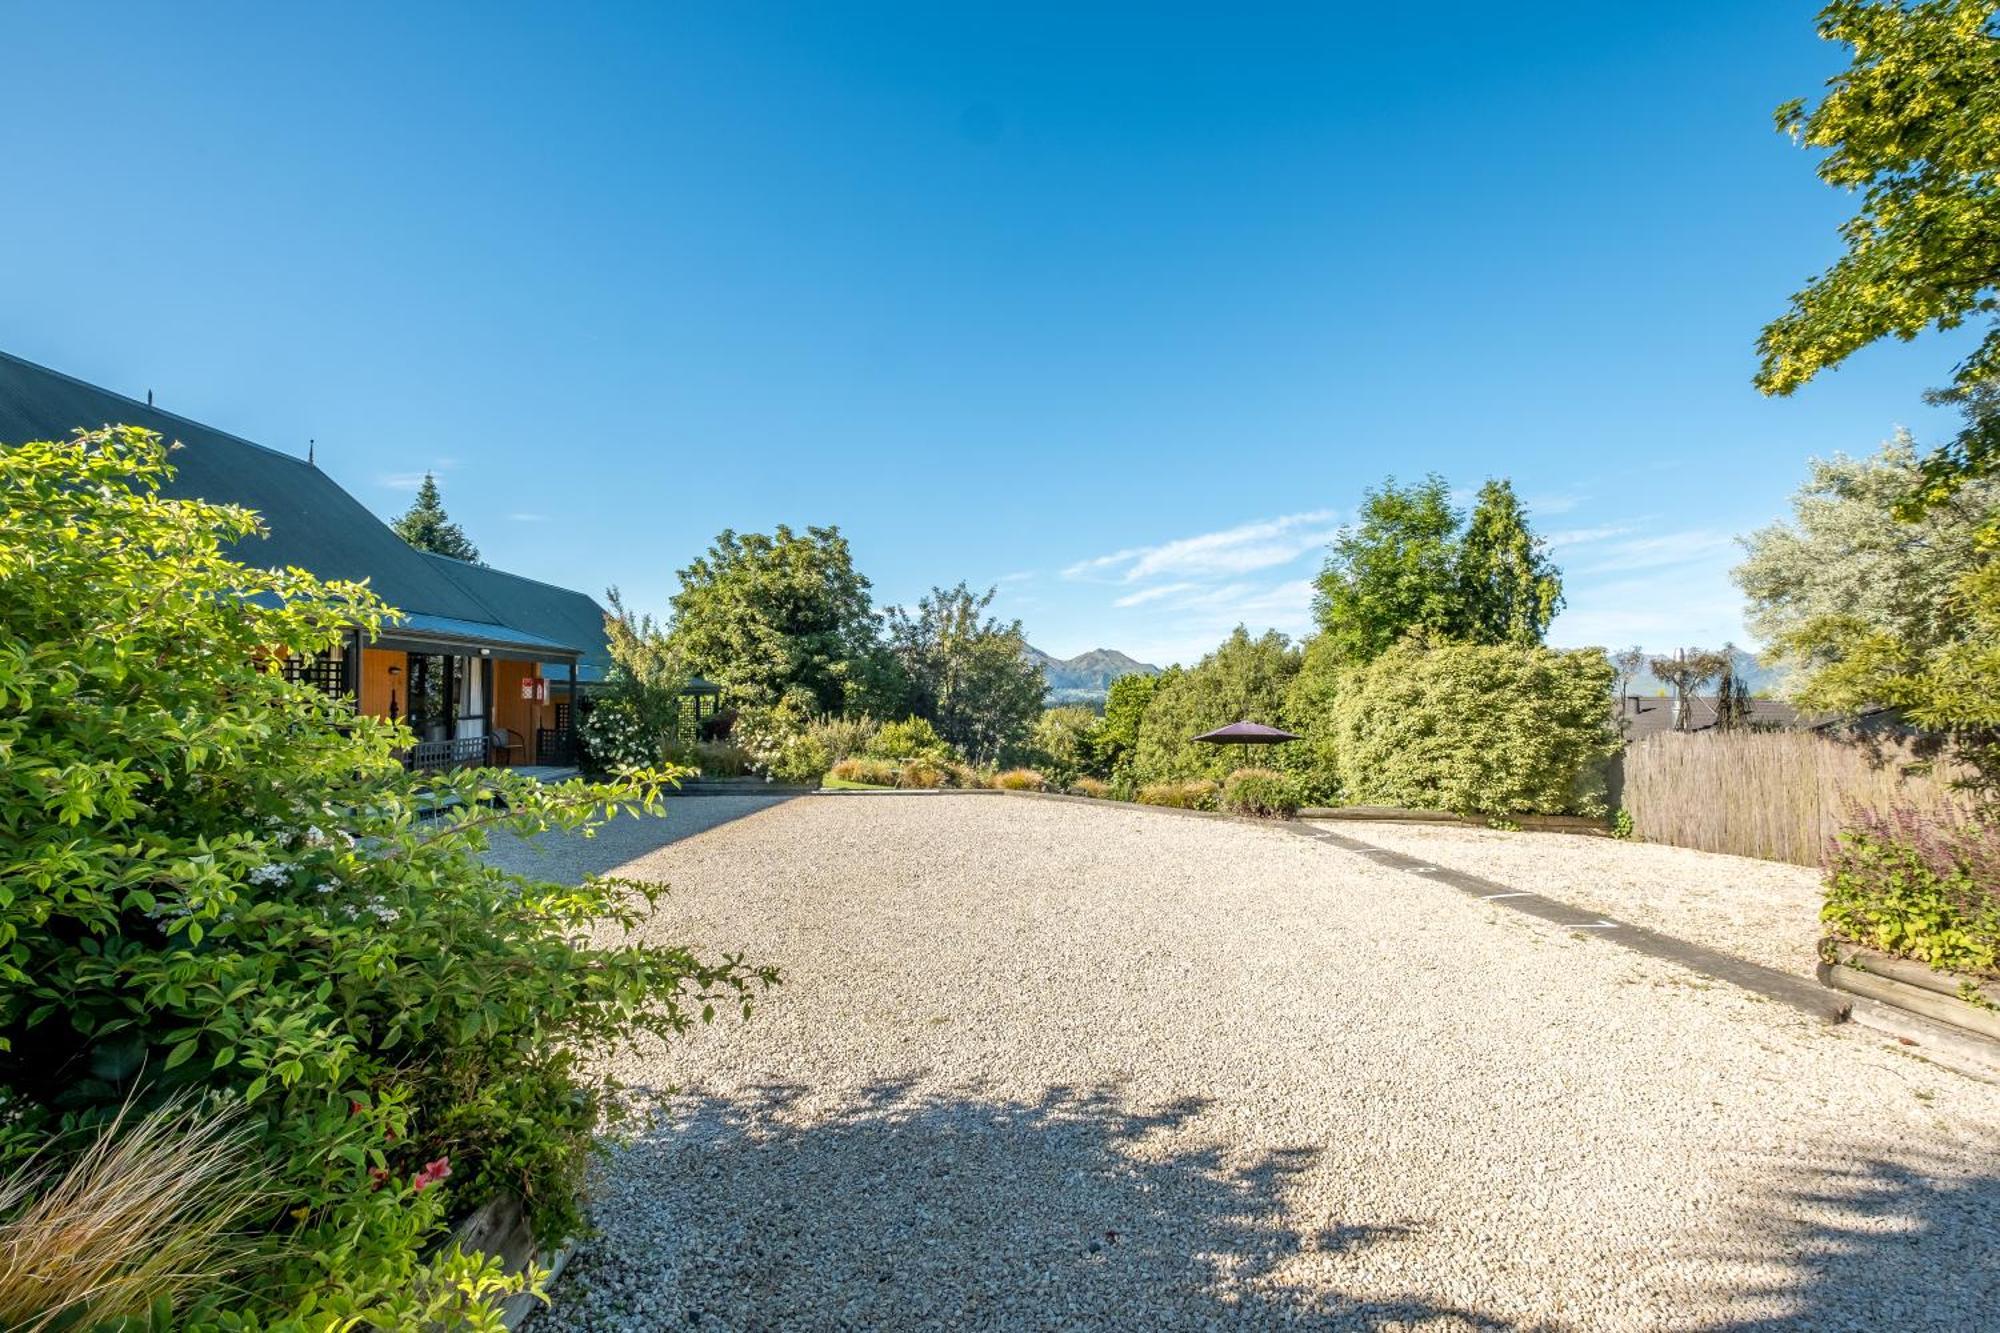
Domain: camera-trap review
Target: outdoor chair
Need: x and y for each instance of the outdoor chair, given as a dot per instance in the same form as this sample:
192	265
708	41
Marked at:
505	743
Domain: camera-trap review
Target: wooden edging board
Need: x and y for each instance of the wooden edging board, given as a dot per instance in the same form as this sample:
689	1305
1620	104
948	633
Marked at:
499	1227
1912	987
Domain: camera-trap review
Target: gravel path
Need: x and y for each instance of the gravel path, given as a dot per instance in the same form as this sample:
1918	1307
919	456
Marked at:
1042	1065
1765	911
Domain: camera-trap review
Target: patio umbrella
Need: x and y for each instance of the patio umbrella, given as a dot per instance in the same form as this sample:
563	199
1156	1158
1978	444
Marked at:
1246	734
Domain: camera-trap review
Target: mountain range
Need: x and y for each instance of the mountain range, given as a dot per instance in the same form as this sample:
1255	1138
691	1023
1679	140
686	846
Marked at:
1087	677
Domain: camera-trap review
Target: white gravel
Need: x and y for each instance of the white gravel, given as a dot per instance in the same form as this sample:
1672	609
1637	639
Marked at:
1041	1065
1765	911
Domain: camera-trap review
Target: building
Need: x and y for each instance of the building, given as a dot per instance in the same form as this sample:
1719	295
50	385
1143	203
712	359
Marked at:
477	658
1642	715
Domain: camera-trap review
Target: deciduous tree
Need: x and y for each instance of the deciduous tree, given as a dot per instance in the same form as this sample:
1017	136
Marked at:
783	618
1912	128
968	672
1842	554
1394	571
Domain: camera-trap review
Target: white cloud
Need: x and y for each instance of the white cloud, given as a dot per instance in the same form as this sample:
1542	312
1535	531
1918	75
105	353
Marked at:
1585	536
1673	548
1191	625
409	481
1244	549
1021	577
1156	593
528	518
1551	504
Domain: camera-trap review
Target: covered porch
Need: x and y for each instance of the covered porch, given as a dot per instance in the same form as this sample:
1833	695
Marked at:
470	699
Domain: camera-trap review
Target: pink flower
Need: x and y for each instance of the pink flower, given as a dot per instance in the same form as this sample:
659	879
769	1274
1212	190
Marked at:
432	1173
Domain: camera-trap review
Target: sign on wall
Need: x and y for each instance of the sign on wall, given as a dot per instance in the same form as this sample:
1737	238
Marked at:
535	689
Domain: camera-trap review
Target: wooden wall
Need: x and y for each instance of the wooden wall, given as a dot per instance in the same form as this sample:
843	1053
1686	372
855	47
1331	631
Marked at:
510	710
375	681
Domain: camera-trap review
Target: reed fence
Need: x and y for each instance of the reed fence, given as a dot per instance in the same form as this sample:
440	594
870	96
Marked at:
1779	796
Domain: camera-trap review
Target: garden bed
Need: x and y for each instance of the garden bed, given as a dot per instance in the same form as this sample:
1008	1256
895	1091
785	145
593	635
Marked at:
1965	1002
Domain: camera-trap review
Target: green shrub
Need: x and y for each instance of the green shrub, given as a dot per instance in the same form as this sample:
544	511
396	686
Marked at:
1260	791
843	737
1065	742
1094	787
1117	738
1477	730
801	762
1313	760
1020	779
1188	794
912	738
217	886
869	772
1918	887
1245	679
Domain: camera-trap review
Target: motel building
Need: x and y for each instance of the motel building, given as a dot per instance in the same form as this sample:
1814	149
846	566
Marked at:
486	667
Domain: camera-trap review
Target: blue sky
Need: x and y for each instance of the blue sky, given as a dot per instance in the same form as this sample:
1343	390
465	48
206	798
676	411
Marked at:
1118	308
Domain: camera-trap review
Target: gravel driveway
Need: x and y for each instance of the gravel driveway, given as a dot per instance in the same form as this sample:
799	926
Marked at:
1040	1065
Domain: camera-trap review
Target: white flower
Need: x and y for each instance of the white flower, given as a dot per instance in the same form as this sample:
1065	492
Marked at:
325	886
272	872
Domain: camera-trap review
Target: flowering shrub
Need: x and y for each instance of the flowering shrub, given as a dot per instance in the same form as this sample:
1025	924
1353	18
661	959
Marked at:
1918	886
217	886
618	739
1260	791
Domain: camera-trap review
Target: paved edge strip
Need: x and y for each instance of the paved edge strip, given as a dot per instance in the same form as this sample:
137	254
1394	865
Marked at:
1805	996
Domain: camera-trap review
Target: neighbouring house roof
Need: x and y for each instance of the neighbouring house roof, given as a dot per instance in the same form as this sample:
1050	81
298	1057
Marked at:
560	615
1643	715
312	522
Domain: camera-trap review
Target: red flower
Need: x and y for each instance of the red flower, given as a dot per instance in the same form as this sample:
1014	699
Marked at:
432	1173
379	1176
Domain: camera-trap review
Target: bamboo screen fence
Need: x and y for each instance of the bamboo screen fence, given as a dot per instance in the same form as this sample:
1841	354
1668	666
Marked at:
1777	795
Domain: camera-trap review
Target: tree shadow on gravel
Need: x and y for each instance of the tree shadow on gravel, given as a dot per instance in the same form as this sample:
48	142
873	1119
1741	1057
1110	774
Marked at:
1879	1244
570	857
898	1210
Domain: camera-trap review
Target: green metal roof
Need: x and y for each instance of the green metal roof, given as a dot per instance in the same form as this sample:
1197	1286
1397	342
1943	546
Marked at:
313	523
561	615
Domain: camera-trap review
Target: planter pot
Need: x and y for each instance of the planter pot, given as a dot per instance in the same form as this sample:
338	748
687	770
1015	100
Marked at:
1911	986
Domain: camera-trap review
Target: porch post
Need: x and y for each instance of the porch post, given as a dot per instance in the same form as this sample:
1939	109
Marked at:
575	714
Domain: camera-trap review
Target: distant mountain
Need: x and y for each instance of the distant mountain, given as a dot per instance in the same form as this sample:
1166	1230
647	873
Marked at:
1087	677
